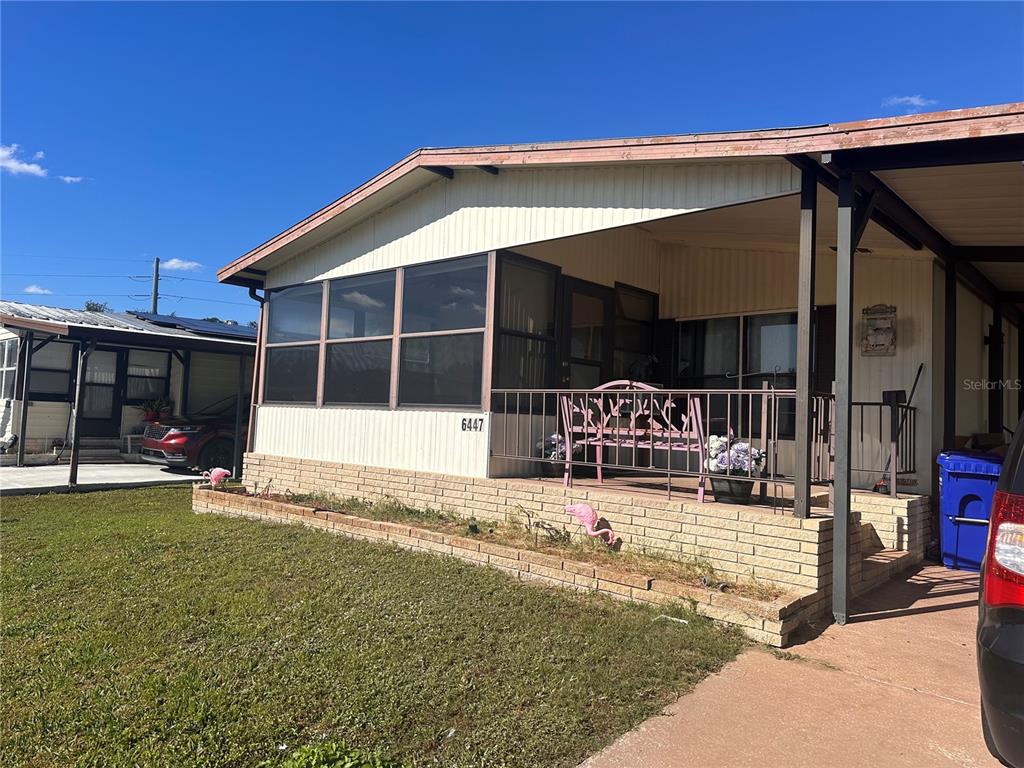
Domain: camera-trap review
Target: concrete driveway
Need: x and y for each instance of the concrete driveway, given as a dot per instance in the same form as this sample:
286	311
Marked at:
16	481
897	686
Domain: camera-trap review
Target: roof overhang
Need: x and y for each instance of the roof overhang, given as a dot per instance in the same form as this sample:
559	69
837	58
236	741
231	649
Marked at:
923	132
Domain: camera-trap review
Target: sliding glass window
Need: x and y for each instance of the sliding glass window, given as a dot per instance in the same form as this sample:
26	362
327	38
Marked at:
293	344
360	326
444	311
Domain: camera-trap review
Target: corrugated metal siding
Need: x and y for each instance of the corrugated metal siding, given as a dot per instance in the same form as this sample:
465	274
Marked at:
627	255
704	282
476	212
213	378
418	440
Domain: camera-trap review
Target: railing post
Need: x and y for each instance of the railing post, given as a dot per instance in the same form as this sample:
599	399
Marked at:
805	310
894	435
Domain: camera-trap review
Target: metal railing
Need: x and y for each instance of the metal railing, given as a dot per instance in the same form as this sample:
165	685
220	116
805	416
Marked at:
668	433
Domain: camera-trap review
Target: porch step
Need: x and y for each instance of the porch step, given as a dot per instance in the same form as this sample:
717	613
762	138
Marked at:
879	567
91	455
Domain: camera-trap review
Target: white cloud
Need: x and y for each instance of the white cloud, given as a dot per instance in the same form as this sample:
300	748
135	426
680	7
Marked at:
37	289
361	299
71	179
39	155
909	103
180	265
13	165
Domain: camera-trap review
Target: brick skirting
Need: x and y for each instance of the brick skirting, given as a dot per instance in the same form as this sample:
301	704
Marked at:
766	622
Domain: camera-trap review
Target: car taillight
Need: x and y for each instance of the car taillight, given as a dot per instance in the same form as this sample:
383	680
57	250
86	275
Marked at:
1004	561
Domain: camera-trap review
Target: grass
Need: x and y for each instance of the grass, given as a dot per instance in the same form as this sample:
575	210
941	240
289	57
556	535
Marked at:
137	633
525	533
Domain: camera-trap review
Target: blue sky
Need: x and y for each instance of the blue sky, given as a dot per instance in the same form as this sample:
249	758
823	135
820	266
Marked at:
194	131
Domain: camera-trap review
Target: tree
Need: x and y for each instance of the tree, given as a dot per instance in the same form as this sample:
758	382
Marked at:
96	306
253	324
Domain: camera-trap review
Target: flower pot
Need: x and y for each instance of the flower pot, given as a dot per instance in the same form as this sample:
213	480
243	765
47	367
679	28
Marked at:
732	491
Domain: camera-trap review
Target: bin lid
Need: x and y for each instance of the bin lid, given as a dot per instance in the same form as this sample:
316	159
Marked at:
970	463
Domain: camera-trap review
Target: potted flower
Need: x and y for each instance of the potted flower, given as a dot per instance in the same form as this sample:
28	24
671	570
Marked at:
728	457
154	410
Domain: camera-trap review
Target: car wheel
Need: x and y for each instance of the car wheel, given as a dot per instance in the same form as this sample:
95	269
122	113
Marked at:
216	453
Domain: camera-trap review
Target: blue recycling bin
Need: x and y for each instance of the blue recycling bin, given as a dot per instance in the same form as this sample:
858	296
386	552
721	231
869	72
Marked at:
967	483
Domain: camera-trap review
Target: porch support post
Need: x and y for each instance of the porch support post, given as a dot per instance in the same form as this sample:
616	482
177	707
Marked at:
84	350
805	312
1020	370
995	371
845	247
236	469
949	387
26	376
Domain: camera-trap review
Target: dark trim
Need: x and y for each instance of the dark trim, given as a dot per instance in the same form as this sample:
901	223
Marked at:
488	169
440	170
989	253
932	154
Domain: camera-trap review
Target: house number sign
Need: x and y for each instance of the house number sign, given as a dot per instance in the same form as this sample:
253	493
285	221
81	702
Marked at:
473	425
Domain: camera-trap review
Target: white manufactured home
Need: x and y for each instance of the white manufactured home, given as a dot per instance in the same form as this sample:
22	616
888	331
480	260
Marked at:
843	298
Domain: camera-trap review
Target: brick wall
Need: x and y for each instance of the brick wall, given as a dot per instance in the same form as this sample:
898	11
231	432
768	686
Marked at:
770	622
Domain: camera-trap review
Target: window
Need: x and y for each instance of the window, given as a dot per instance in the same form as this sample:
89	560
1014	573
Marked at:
636	315
446	296
439	354
295	314
293	343
359	372
291	374
770	355
51	371
441	370
8	368
148	374
437	367
525	339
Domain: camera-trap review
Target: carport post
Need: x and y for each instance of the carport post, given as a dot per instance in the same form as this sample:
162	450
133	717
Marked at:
805	310
26	376
84	349
1020	371
845	245
236	469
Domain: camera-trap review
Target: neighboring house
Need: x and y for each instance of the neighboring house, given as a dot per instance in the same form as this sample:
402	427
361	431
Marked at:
406	323
129	359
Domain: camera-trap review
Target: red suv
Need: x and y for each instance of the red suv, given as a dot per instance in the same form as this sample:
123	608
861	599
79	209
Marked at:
203	440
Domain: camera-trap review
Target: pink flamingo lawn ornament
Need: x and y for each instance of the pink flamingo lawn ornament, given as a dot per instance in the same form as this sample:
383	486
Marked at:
587	517
216	476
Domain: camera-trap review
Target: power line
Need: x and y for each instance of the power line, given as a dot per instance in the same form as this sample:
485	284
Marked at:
137	296
126	277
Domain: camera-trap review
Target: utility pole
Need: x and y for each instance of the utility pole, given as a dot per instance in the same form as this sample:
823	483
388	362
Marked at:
156	285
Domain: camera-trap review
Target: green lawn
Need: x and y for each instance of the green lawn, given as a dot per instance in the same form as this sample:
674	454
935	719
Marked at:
137	633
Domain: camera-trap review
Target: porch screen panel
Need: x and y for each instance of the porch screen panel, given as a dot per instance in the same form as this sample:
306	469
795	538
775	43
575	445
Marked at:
294	331
525	339
444	310
148	374
636	315
360	329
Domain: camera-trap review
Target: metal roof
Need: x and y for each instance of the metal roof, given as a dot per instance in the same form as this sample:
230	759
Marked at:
59	320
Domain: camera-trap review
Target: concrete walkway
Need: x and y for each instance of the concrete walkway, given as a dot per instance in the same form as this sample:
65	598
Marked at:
895	687
16	481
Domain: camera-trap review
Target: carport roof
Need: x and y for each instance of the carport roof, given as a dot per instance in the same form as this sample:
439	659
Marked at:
127	328
935	129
